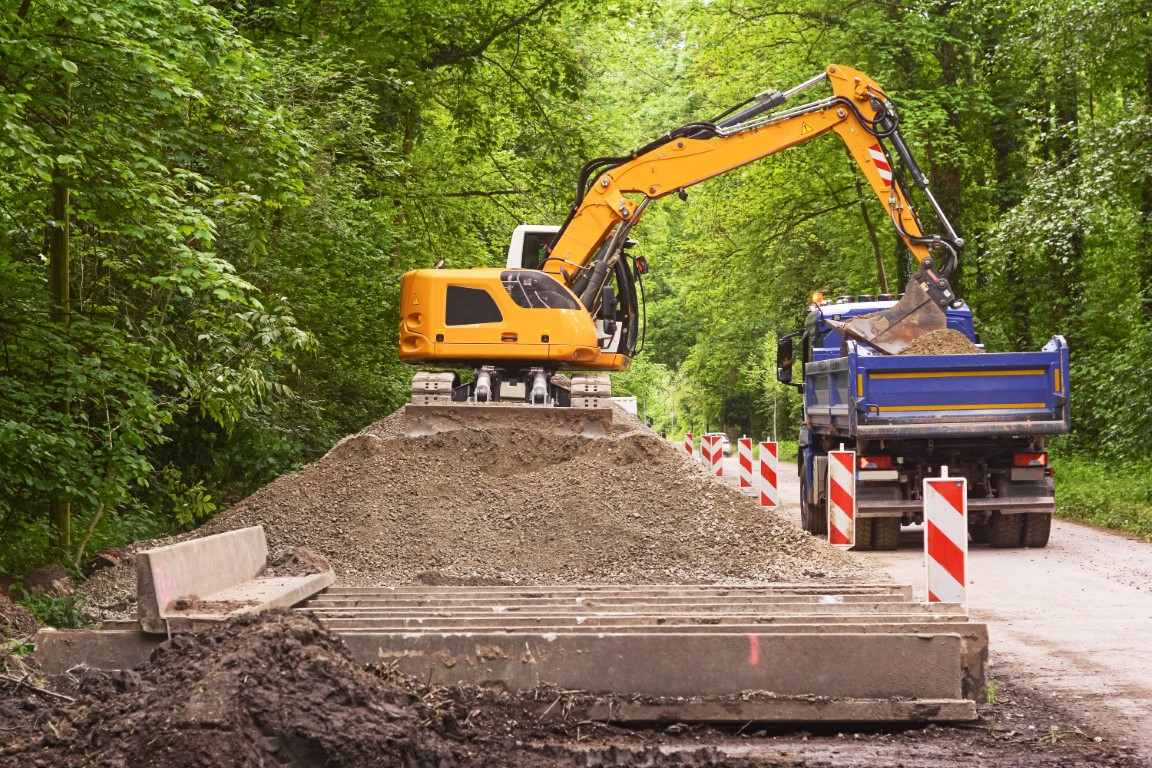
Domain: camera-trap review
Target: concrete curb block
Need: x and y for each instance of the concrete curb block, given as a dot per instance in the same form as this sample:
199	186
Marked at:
217	578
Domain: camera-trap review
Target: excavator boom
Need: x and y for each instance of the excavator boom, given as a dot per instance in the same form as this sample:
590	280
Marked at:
525	325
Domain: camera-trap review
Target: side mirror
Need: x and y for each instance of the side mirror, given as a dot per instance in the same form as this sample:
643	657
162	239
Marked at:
607	303
784	360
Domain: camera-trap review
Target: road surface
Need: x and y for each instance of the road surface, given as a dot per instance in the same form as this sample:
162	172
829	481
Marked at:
1073	619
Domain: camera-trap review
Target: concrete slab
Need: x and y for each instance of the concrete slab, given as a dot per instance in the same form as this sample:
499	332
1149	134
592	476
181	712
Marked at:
780	710
423	420
834	608
249	597
212	578
850	665
58	650
821	590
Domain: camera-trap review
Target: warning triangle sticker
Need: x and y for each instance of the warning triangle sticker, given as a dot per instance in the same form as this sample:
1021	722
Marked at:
415	300
805	128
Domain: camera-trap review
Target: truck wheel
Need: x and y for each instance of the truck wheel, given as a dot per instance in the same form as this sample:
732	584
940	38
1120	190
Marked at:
813	517
1037	527
885	533
864	528
1004	530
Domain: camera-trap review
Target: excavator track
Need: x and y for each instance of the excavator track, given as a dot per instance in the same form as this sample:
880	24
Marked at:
431	387
591	390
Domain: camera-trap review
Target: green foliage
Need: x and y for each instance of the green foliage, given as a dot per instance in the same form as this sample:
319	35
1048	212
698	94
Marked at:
65	611
1105	493
247	182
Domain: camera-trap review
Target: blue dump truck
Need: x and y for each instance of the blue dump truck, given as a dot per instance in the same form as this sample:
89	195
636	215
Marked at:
984	416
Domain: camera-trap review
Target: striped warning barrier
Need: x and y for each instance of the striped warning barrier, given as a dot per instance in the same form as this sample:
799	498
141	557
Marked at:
717	456
706	451
842	498
946	538
744	451
769	491
688	442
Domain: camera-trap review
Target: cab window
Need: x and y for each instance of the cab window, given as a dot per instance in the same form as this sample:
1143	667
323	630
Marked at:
536	290
470	306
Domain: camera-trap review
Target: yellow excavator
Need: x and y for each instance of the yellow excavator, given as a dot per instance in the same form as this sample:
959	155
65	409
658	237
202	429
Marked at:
572	306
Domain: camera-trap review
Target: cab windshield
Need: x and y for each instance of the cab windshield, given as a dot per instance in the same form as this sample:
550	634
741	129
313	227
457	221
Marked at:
536	290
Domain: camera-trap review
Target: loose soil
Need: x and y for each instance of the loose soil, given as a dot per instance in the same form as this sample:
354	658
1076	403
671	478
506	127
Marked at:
945	341
295	561
278	690
516	506
16	622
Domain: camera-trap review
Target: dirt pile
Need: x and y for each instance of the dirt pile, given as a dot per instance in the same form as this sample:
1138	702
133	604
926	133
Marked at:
275	690
522	506
295	561
945	341
16	622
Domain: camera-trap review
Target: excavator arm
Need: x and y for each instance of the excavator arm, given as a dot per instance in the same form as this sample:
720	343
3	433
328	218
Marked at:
590	243
519	327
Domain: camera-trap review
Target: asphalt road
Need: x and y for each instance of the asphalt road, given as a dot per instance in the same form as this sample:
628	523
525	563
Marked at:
1073	619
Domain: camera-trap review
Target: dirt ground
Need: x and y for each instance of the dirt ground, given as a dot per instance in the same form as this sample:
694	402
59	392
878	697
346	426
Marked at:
278	690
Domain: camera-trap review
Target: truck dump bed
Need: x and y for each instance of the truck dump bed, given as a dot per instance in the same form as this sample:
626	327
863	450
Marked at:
869	395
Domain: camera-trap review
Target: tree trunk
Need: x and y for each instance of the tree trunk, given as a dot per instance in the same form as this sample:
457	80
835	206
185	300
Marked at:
411	125
1146	209
59	268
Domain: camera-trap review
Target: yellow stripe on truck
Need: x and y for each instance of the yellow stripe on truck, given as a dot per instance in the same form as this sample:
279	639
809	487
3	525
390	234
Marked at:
942	375
974	407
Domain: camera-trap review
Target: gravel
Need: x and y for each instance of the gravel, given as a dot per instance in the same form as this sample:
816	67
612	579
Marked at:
518	506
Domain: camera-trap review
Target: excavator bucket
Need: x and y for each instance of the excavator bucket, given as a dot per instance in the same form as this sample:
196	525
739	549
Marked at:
890	331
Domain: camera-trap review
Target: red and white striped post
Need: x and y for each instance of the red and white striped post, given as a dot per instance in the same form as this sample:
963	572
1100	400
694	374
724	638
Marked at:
744	449
842	498
717	456
706	451
769	492
946	537
688	442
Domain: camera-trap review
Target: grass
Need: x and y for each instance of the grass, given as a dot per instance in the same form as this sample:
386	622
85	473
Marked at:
1110	494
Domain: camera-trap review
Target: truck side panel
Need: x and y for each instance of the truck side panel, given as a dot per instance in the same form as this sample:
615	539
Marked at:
1018	393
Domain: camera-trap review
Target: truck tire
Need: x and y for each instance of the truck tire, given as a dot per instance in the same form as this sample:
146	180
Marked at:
877	534
864	528
1037	527
885	534
1004	531
813	517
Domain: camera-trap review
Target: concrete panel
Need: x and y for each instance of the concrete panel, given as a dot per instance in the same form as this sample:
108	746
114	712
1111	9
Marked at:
768	588
187	585
702	609
851	665
422	420
251	597
782	710
58	650
195	569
